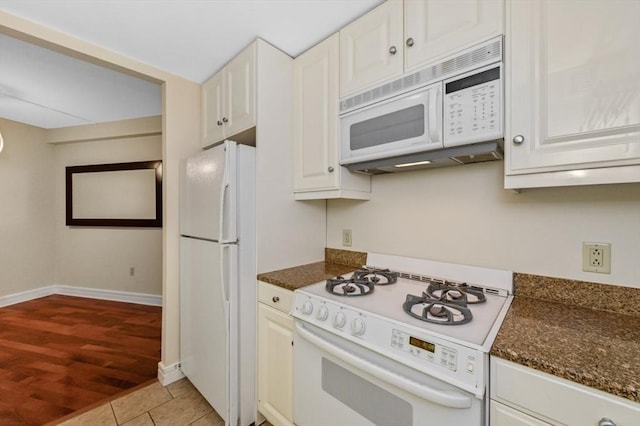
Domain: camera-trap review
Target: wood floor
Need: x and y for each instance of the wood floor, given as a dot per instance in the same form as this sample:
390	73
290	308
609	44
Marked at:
59	354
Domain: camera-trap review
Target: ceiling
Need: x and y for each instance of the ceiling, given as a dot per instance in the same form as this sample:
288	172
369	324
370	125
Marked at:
189	38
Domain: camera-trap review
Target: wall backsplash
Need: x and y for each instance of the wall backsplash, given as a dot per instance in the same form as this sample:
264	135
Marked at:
608	298
463	215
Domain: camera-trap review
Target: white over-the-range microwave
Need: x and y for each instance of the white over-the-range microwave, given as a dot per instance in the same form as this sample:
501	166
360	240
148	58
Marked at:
447	114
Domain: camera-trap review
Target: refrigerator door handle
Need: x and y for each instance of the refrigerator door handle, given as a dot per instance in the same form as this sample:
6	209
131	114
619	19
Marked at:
223	198
225	201
224	283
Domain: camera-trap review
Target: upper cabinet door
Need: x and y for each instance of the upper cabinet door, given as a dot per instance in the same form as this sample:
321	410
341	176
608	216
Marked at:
435	29
240	91
229	99
315	105
212	107
371	48
573	85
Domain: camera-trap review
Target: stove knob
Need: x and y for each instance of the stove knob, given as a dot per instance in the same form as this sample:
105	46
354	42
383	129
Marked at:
339	320
358	327
307	307
323	313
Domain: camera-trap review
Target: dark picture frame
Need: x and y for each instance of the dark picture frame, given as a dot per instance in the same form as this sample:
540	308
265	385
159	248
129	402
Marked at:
98	220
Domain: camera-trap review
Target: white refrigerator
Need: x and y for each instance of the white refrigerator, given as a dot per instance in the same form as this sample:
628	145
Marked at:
218	279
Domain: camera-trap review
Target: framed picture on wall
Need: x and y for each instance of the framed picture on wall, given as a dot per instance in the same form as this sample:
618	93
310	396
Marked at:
120	194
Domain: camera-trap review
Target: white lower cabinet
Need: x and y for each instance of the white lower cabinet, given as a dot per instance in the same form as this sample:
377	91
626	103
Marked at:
524	396
275	354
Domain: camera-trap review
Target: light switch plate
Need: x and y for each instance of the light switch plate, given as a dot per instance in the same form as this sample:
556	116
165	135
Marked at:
346	238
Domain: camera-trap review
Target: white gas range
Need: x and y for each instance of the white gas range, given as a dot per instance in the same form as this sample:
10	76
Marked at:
402	342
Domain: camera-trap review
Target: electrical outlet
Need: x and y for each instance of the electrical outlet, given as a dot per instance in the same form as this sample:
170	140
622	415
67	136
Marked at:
346	238
596	257
132	271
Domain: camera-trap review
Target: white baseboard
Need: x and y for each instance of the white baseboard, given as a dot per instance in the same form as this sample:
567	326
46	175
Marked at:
25	296
116	296
169	374
91	293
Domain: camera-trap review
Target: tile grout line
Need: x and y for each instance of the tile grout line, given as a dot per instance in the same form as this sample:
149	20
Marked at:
172	398
148	412
113	413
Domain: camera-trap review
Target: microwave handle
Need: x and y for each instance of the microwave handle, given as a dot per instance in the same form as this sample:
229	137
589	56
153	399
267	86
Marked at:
434	107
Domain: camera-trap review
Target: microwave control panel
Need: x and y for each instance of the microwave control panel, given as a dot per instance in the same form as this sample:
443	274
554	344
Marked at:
473	107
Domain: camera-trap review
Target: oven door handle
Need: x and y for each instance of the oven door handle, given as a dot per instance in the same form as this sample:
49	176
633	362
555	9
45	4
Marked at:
446	398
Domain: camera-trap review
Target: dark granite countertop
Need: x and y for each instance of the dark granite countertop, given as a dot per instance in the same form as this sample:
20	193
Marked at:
546	329
336	262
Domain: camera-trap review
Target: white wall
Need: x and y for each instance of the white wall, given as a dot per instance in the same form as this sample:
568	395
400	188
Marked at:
97	257
462	215
26	209
289	232
180	138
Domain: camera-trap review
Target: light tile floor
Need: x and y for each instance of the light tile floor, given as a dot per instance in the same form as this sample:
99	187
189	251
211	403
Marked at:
178	404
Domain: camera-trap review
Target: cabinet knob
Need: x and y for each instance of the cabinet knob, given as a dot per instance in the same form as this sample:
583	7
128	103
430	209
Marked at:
225	120
219	123
518	139
606	422
330	168
410	42
275	299
393	50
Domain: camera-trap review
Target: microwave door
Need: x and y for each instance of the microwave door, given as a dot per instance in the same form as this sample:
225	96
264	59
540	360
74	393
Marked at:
406	124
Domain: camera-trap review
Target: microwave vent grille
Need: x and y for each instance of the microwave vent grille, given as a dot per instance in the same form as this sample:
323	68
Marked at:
474	57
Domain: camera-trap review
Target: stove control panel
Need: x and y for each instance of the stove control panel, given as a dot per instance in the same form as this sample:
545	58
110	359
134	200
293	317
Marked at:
437	354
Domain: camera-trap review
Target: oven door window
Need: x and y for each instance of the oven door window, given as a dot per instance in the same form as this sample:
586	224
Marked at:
378	405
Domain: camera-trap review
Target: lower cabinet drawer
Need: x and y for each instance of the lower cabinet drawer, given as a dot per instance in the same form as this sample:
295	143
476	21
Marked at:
503	415
276	297
557	400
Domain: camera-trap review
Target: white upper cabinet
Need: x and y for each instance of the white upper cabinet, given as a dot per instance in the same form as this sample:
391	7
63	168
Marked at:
228	98
572	93
212	108
240	91
398	36
371	48
436	28
317	171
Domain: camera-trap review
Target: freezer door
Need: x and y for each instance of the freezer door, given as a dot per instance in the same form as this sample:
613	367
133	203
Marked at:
207	194
204	320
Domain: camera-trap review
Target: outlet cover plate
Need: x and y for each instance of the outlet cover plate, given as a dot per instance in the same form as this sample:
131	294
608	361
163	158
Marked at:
346	238
596	257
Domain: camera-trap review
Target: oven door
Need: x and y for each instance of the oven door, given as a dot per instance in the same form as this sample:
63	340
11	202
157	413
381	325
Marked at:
337	382
406	124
